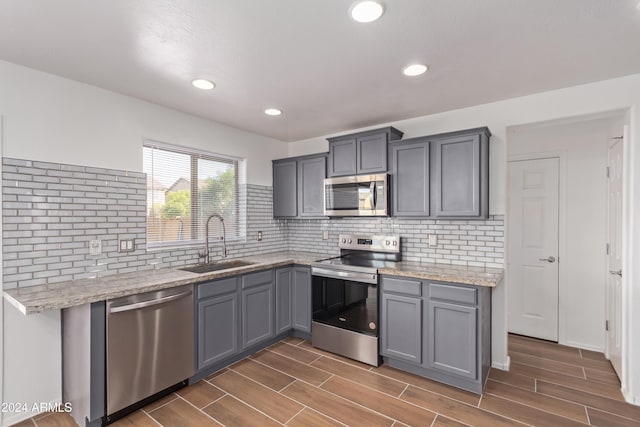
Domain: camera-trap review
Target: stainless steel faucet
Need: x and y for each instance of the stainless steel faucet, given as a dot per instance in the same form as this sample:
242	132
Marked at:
206	253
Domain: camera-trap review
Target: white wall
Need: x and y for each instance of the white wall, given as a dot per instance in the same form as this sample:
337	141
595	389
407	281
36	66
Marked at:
53	119
582	287
609	95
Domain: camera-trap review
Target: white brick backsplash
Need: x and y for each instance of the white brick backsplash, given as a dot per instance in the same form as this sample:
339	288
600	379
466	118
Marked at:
51	211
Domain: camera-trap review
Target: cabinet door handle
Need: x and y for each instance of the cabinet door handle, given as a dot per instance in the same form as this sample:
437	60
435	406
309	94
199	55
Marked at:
616	273
551	259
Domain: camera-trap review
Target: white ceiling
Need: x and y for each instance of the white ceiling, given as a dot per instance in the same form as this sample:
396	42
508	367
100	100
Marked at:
326	72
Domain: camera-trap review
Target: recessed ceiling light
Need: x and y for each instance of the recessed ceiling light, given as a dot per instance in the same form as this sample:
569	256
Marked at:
366	11
414	70
272	112
203	84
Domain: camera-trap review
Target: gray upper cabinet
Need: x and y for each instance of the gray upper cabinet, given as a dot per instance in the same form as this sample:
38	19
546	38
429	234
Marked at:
441	176
410	177
298	186
311	174
302	299
284	299
257	308
460	177
360	153
342	157
285	203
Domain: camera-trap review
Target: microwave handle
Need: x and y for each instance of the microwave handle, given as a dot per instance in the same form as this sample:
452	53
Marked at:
374	195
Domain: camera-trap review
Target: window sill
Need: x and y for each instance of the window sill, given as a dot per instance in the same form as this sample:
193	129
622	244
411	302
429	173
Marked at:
193	244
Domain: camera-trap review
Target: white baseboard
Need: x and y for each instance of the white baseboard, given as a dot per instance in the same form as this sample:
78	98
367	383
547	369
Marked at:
583	346
502	366
629	398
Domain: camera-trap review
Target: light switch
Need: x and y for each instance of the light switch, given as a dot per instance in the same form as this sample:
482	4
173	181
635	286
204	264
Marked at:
325	235
433	240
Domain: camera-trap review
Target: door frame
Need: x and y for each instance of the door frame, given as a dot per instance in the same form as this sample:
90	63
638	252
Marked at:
563	298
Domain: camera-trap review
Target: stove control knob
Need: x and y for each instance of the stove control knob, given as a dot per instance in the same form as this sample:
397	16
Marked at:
395	243
349	241
388	243
344	240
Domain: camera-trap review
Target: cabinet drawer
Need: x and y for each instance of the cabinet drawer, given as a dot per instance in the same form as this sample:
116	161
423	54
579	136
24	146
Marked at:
402	286
217	287
453	293
255	279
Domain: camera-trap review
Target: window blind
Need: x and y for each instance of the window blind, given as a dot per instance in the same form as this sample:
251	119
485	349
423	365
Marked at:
186	186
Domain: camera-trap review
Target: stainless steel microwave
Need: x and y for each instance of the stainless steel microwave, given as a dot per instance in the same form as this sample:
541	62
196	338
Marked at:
361	195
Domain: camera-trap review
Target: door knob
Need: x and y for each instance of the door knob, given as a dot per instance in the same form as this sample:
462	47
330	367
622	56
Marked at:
616	273
551	259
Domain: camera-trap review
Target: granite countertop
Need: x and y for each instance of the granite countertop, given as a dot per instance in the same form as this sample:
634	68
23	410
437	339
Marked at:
35	299
478	276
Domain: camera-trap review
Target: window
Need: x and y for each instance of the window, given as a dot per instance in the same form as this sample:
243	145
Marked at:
184	187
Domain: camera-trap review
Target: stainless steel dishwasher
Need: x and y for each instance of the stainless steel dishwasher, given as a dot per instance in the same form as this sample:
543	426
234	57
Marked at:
150	344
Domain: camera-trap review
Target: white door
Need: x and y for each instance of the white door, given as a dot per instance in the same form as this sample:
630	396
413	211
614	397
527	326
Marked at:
614	259
533	248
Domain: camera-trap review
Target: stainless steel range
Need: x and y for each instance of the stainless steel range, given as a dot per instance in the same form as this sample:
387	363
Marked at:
345	296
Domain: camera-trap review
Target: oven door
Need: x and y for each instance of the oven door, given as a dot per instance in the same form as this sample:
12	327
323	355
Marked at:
363	195
345	304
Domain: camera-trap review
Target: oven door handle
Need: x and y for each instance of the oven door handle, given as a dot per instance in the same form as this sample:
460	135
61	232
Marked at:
348	275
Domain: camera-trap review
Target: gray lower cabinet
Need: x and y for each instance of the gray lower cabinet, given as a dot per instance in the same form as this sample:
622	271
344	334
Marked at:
452	338
217	321
285	203
449	342
360	153
301	306
284	299
401	327
298	186
257	308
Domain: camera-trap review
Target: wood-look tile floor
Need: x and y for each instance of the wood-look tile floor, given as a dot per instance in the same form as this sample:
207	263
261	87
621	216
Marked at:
293	384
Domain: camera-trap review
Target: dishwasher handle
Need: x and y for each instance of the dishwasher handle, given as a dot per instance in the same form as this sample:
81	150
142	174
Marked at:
150	303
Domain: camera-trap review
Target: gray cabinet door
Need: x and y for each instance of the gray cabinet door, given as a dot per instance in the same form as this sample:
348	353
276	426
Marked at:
311	174
410	169
342	157
217	329
284	299
371	152
257	314
451	334
284	189
302	299
401	328
457	176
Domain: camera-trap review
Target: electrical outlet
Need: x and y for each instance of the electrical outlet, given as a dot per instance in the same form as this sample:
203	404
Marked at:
433	240
325	235
95	247
259	236
126	245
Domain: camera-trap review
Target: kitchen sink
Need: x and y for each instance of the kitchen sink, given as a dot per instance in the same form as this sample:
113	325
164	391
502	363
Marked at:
216	266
